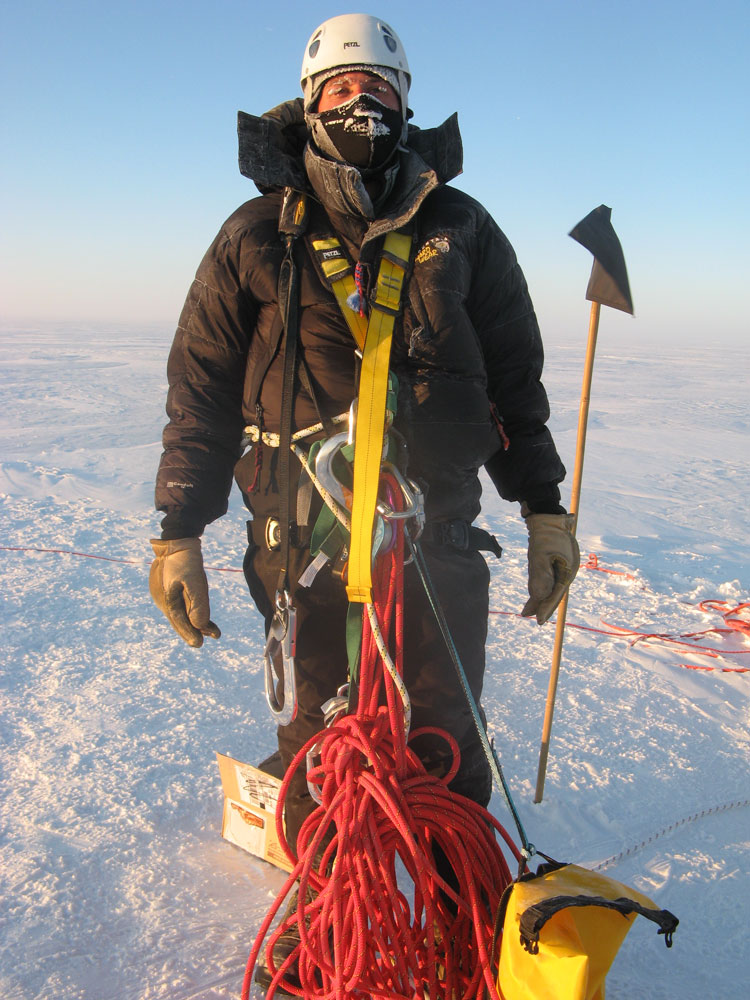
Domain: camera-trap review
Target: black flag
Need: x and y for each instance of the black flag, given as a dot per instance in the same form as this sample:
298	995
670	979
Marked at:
608	283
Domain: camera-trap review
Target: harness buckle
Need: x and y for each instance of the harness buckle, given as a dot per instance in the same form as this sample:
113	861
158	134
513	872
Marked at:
281	643
457	534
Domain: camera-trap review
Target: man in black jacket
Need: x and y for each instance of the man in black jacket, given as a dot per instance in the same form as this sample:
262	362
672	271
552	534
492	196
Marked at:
466	352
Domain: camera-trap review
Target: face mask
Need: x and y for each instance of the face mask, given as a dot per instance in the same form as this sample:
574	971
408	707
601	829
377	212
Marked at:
363	132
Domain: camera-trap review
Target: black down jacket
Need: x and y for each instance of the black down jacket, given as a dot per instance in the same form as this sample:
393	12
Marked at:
467	337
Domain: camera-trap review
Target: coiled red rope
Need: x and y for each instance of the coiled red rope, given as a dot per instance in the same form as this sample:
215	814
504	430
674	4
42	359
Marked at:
375	918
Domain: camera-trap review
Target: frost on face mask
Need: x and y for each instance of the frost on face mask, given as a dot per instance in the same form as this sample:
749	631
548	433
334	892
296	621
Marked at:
363	121
363	132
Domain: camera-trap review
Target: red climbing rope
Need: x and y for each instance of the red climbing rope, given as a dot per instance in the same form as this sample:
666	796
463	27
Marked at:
732	616
720	670
736	618
375	918
593	563
89	555
733	623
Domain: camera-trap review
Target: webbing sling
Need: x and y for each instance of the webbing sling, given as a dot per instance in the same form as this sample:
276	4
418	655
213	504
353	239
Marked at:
282	630
374	338
340	274
292	221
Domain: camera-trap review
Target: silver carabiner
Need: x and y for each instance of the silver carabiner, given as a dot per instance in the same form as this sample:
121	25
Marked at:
413	498
332	710
336	706
312	759
328	450
282	641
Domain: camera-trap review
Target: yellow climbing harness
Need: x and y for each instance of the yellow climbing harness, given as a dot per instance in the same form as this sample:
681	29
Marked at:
373	336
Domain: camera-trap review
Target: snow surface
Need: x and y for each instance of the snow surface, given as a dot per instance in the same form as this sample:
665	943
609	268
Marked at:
116	882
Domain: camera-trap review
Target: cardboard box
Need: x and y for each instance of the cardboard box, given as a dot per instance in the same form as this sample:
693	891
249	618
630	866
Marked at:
250	798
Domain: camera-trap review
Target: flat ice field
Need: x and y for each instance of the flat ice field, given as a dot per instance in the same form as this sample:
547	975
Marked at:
115	880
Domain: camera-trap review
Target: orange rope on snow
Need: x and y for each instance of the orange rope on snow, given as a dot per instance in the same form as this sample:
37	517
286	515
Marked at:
593	563
733	623
70	552
730	616
89	555
736	619
722	670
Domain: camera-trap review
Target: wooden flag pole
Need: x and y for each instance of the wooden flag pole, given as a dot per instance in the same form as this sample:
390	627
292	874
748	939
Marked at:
583	416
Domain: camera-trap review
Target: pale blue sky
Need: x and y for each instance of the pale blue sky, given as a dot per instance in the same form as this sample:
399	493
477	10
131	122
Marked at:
120	145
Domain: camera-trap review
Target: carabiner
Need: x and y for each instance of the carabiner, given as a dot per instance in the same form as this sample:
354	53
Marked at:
328	450
336	706
413	500
312	760
282	641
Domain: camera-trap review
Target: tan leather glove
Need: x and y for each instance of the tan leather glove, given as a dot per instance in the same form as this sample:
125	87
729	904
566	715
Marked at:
554	558
178	585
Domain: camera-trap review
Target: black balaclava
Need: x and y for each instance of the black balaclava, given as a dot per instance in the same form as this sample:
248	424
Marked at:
363	132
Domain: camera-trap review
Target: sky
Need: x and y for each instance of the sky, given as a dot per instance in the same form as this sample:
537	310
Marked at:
120	160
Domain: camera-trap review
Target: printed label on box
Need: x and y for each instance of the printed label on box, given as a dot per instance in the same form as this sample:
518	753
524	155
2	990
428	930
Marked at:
257	788
245	828
249	820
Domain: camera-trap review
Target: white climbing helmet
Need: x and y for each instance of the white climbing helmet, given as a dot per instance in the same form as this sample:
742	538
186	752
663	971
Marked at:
353	40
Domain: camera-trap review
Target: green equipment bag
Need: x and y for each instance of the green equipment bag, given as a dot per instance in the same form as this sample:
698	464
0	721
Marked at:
561	929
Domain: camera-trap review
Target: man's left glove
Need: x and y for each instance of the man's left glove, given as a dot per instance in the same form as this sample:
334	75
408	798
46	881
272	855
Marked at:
178	585
554	558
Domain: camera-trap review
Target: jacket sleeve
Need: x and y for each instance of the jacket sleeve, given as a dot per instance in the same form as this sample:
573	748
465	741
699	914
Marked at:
206	372
527	468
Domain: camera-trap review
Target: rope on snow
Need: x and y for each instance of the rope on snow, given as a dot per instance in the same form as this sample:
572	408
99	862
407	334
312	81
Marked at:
736	620
714	810
89	555
593	563
733	616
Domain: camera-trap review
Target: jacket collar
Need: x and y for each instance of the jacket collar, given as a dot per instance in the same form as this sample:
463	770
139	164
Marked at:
271	150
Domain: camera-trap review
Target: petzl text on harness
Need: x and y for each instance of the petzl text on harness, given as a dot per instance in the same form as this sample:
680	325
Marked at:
562	928
375	343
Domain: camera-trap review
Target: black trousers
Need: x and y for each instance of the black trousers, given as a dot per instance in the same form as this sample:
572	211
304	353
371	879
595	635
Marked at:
461	580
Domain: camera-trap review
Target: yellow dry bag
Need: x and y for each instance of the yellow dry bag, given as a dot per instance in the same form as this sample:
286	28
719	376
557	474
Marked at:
562	928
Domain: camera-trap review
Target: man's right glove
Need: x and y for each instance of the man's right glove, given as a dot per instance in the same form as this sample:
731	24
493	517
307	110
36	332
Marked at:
554	558
178	585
